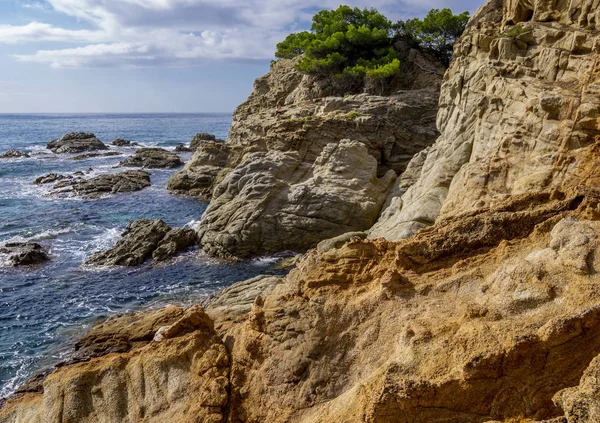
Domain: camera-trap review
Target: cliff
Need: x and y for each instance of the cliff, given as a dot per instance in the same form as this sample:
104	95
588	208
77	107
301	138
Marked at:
489	313
284	181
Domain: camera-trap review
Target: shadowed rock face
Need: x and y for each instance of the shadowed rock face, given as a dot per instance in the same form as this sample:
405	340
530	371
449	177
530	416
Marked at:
76	142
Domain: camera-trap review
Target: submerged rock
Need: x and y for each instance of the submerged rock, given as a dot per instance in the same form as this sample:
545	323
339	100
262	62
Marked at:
24	253
76	142
119	142
152	158
101	185
145	238
14	154
92	155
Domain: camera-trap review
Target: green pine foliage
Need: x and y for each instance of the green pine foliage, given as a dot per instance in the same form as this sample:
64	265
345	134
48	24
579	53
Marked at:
345	41
436	33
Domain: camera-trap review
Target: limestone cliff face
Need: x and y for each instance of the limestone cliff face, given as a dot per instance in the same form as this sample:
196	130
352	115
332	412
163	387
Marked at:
285	181
517	107
490	314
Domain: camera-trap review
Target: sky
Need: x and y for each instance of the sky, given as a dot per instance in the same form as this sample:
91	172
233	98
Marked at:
161	56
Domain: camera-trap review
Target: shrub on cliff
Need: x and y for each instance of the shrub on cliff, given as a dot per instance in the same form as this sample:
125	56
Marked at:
436	33
344	41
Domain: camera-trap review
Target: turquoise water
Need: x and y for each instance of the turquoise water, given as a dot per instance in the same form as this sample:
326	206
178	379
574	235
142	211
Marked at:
42	309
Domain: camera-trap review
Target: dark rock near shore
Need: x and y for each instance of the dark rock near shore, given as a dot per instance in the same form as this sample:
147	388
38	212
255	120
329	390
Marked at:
14	154
92	155
152	158
119	142
113	183
144	238
174	242
139	240
181	148
50	177
76	142
24	253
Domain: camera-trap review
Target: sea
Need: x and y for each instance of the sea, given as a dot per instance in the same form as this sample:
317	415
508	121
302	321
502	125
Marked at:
43	309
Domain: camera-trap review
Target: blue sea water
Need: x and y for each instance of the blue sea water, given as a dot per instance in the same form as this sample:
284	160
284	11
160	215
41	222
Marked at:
43	309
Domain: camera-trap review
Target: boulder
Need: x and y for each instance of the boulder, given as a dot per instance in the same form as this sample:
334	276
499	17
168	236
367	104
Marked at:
275	201
181	148
76	142
199	138
119	142
14	154
98	186
24	253
204	170
152	158
138	241
174	242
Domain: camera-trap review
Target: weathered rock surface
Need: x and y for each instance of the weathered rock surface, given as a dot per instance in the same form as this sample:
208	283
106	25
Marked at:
207	167
518	105
76	142
98	186
275	202
153	382
24	253
50	177
119	142
152	158
145	238
316	114
14	154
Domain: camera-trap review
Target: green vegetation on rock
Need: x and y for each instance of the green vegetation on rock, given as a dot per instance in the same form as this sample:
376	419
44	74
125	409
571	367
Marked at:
436	33
353	42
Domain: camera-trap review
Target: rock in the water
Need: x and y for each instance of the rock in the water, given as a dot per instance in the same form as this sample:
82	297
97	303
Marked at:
138	241
275	202
119	142
199	138
14	154
76	142
92	155
181	148
152	158
101	185
174	242
50	177
205	169
24	253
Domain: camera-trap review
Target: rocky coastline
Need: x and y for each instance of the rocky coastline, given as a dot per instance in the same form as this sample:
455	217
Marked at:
455	275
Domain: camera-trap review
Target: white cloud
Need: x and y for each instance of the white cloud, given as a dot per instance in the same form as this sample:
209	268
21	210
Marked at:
178	32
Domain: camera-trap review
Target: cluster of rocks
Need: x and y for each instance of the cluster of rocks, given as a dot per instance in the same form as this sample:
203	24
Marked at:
145	238
24	253
119	142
